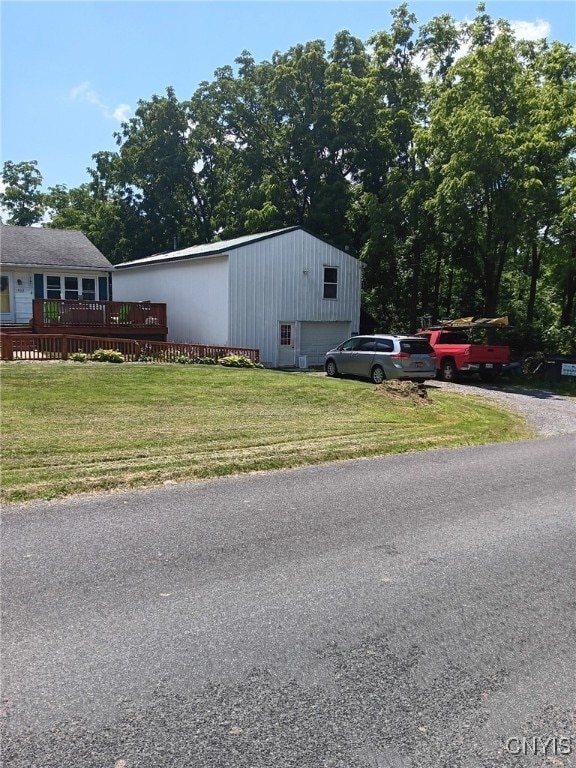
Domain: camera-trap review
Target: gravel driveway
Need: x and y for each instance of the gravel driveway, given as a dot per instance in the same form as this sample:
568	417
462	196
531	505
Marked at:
547	412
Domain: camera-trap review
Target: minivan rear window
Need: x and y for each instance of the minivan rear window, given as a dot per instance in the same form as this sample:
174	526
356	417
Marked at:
416	347
384	345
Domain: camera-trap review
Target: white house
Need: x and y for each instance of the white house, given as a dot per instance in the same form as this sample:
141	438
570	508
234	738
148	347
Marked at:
43	263
287	293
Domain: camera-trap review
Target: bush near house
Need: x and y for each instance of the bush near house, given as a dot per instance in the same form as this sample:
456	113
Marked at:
107	356
238	361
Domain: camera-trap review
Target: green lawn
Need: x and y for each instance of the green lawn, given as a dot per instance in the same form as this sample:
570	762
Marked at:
70	428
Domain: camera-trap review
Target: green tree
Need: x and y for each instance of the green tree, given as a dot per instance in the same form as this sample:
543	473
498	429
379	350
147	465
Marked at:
284	150
21	196
105	220
389	203
451	176
154	174
546	148
473	143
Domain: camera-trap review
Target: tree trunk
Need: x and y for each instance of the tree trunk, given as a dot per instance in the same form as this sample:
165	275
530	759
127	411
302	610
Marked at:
567	317
449	290
490	288
413	309
534	274
436	296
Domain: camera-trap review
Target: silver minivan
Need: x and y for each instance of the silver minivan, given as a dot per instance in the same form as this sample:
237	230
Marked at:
382	357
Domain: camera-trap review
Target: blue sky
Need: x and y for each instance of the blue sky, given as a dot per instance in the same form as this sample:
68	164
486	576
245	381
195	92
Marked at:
71	71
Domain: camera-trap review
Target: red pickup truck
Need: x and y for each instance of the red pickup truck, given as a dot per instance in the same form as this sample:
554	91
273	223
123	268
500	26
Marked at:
457	355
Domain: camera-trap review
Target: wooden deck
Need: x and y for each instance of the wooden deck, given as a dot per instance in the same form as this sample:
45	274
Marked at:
110	319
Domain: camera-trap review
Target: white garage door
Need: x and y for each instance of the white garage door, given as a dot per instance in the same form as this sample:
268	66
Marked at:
317	338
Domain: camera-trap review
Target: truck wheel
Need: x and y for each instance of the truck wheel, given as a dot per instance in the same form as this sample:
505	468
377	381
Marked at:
448	370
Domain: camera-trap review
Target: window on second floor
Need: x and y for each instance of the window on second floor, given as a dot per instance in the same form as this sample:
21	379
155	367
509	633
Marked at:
330	282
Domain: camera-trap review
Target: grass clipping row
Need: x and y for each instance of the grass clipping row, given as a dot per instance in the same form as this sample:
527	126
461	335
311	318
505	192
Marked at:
404	390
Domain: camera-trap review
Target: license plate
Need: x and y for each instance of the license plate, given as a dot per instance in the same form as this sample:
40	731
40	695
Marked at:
419	365
488	365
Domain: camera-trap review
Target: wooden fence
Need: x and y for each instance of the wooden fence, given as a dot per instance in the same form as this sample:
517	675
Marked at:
36	346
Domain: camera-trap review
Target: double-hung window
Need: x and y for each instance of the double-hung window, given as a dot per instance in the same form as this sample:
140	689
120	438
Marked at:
330	282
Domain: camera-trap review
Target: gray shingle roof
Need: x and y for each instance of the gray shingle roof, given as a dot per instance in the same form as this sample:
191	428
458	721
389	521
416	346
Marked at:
205	249
40	247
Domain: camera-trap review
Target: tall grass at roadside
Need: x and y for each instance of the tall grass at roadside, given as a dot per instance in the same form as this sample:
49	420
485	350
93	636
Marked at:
69	429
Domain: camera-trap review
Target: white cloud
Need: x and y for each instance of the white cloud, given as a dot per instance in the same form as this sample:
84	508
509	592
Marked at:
85	92
121	113
531	30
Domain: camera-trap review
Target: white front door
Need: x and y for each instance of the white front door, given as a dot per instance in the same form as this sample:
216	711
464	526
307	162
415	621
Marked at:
286	351
6	299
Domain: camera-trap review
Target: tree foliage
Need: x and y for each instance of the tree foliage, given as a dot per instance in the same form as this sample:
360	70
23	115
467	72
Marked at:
443	156
21	196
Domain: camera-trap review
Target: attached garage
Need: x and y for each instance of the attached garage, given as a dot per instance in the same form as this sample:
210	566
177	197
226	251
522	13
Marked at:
316	338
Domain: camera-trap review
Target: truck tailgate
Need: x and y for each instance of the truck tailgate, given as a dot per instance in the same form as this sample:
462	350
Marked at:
488	353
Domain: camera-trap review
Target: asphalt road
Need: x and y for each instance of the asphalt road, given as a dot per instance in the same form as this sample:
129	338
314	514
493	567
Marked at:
415	610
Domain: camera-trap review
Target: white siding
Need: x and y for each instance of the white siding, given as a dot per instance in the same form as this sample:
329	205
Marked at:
195	293
281	279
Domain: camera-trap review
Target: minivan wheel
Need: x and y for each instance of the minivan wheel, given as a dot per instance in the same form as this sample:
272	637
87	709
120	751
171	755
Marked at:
331	369
378	375
448	371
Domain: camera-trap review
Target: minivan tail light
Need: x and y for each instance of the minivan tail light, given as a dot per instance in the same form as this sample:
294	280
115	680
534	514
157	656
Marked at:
400	354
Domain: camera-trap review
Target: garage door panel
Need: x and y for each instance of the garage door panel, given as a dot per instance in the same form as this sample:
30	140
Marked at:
317	338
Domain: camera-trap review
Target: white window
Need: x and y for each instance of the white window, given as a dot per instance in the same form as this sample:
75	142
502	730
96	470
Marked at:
70	287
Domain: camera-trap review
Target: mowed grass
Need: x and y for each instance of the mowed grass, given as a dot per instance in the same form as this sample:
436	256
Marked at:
69	428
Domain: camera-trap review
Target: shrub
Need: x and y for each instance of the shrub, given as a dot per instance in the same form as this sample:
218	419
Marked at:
183	360
146	354
79	357
238	361
107	356
527	340
561	341
204	360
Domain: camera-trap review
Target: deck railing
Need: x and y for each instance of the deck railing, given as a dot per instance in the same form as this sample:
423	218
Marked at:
35	346
67	313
